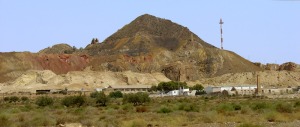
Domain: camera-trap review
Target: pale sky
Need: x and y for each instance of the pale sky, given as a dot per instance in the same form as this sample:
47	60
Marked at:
266	31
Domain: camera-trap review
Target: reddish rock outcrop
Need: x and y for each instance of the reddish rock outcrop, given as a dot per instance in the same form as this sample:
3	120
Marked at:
58	63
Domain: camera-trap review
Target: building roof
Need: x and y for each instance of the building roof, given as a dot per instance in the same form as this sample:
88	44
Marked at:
130	86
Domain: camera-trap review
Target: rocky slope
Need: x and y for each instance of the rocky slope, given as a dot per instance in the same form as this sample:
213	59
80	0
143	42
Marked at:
14	64
152	44
58	49
146	51
146	45
76	80
266	78
288	66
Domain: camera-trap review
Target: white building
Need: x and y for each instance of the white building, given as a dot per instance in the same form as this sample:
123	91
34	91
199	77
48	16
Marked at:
179	92
130	88
242	89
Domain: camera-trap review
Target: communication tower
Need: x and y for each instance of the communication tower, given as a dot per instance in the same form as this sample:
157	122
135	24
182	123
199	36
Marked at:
221	23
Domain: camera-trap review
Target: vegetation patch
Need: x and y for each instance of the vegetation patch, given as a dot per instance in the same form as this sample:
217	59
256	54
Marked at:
164	109
136	98
73	101
44	101
139	110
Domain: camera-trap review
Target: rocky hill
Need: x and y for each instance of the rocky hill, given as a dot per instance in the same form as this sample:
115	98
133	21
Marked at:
145	47
152	44
58	49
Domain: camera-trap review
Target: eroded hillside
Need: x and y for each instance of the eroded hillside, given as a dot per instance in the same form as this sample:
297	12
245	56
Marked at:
13	65
265	78
145	51
152	44
31	80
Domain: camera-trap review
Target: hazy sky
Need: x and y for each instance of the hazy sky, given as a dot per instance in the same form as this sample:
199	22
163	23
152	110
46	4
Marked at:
267	31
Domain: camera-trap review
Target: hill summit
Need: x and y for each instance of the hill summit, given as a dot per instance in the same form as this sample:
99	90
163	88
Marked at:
144	34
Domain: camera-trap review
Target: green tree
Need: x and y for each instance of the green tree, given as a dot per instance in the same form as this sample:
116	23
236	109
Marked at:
116	94
24	99
199	89
171	85
94	94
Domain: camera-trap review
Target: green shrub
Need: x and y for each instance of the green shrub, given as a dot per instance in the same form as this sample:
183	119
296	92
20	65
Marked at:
24	98
236	107
153	88
297	104
73	101
223	108
188	107
127	107
6	99
245	110
94	94
102	99
14	99
164	109
137	98
44	101
116	94
259	106
271	116
284	108
4	121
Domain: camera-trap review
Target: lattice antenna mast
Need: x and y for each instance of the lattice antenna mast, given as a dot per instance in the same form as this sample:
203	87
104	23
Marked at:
221	23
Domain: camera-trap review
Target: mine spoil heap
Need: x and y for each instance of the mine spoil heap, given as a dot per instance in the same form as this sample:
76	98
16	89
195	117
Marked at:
152	44
148	44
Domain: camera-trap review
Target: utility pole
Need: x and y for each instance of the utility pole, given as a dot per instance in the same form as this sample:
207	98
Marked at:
258	86
221	23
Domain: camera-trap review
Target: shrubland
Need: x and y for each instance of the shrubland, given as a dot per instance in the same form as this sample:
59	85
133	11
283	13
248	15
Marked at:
99	109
